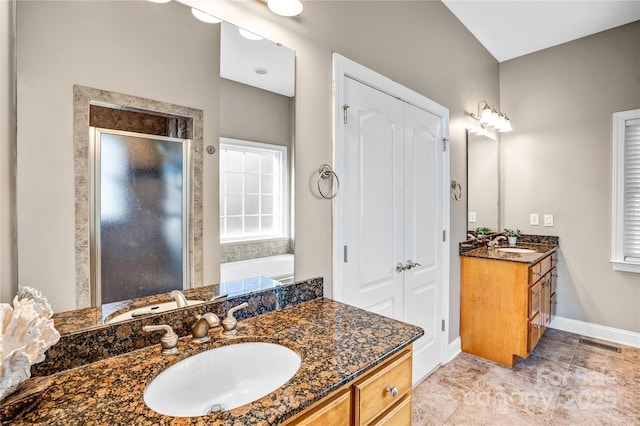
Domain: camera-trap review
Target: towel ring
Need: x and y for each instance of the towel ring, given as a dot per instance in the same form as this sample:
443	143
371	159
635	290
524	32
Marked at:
456	190
325	172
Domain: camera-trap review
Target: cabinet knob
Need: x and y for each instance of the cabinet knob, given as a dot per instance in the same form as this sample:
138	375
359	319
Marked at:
392	390
537	273
537	293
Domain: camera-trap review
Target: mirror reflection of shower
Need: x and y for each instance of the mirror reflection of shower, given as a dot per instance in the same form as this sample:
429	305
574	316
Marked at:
139	214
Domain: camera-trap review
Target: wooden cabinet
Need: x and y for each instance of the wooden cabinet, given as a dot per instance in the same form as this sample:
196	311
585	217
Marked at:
505	306
381	397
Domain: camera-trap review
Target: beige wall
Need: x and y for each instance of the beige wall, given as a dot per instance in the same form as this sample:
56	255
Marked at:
419	44
8	267
558	161
253	114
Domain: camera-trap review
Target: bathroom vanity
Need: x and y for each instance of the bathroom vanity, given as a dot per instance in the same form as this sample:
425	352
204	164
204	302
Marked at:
507	299
355	369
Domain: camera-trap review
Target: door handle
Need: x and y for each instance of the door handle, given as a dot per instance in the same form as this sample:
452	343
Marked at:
411	264
400	267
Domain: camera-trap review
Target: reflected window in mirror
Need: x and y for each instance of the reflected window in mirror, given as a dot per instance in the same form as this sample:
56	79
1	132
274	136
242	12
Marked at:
253	191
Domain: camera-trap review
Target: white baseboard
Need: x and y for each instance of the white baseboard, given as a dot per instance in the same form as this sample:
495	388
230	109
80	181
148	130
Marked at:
454	349
597	331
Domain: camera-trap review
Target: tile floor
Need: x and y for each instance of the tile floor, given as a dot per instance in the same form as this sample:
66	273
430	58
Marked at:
563	382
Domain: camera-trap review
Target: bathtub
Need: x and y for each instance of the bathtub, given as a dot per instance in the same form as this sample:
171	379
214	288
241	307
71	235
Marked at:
279	268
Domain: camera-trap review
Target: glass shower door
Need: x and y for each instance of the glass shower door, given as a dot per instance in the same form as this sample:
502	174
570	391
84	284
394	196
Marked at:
140	213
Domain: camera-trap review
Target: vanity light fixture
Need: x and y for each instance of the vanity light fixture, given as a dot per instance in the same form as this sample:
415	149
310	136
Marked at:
204	16
482	131
285	7
492	117
249	35
159	1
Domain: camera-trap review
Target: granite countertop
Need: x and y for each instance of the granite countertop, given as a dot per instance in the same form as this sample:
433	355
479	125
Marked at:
541	250
336	342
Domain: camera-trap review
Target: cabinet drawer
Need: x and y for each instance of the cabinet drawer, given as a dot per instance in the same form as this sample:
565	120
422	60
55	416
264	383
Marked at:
535	296
399	414
371	397
336	411
538	270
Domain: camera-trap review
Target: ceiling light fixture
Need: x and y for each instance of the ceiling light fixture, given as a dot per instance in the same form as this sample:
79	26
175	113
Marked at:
492	117
204	16
285	7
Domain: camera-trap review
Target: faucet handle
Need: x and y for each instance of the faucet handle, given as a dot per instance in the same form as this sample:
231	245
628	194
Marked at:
168	341
229	322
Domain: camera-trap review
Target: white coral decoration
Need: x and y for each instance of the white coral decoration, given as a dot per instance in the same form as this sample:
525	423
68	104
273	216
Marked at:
26	332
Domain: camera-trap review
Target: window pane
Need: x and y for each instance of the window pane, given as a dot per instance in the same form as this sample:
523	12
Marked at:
252	204
252	224
267	184
234	205
234	161
267	224
267	205
234	183
234	226
223	205
268	163
252	162
251	184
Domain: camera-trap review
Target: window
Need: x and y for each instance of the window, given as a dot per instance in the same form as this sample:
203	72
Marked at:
253	191
625	242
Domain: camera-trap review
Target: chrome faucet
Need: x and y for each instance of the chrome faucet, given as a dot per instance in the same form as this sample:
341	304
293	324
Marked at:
229	322
168	341
181	301
496	241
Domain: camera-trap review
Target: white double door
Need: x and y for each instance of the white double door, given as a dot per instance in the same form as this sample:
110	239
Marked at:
391	215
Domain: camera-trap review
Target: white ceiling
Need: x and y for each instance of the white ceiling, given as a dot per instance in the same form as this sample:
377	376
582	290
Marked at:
512	28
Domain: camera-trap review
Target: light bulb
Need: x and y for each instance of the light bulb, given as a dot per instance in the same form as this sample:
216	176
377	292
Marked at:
249	35
507	125
486	116
285	7
204	17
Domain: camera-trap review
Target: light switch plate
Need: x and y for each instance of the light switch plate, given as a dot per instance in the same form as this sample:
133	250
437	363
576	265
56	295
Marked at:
533	219
548	220
472	217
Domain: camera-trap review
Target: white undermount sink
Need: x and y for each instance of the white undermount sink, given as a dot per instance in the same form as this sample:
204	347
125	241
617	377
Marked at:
221	379
149	310
516	250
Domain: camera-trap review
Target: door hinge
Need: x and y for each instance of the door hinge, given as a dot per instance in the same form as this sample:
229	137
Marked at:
442	325
345	107
444	236
345	255
444	144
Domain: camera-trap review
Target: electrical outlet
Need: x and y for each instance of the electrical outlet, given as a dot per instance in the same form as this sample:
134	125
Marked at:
548	220
533	219
472	217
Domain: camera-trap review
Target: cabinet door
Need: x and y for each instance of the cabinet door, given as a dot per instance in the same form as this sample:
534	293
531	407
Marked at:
535	297
535	331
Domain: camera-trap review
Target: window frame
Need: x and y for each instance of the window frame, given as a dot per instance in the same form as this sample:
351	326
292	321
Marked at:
618	261
283	206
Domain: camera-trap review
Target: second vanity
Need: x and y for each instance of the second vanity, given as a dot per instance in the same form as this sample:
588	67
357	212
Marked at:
507	299
355	369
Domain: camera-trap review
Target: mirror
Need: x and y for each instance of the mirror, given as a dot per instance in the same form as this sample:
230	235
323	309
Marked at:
483	182
158	53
